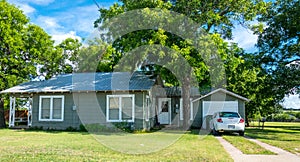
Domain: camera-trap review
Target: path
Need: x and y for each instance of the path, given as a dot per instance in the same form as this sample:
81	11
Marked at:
238	156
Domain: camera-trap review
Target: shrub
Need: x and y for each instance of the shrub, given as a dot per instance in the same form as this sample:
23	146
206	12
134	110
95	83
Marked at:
297	115
71	129
125	126
82	128
283	117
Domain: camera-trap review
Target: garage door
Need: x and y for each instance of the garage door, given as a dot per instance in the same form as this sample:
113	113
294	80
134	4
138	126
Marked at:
210	107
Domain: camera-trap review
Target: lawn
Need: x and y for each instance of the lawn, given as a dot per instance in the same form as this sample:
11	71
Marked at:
246	146
280	134
20	145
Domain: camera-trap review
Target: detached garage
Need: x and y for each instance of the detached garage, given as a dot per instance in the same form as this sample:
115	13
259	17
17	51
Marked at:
217	100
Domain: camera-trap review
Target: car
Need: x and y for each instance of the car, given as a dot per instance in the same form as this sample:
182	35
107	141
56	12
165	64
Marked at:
225	121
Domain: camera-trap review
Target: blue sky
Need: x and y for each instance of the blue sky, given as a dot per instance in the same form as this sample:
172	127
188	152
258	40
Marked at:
75	18
63	18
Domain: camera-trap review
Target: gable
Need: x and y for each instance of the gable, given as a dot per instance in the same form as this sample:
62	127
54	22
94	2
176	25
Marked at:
221	95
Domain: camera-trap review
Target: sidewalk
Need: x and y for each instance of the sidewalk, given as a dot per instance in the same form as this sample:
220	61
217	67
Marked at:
238	156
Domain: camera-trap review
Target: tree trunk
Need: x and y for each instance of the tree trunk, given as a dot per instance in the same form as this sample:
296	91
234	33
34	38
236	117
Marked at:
2	116
186	86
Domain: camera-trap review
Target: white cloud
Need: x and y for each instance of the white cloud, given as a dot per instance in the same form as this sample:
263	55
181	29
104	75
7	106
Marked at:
245	38
59	37
80	19
38	2
52	26
292	101
48	22
27	9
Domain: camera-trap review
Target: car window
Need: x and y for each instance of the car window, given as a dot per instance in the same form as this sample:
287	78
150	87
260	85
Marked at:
229	115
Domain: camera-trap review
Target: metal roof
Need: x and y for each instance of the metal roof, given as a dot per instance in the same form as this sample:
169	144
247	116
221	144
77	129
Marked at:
76	82
176	91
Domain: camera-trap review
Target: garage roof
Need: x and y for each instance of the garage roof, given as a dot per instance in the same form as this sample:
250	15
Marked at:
224	91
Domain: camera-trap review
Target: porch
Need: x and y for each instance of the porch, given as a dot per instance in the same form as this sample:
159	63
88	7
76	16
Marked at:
20	112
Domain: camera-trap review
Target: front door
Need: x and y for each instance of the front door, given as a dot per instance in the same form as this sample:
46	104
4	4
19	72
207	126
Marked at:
164	110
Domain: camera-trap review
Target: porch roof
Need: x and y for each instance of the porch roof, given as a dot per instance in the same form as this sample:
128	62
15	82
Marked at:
76	82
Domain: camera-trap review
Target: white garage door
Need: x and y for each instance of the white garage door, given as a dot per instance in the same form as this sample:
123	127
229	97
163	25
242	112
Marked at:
210	107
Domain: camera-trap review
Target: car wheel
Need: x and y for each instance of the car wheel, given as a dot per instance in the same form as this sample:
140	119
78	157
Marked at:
215	133
241	133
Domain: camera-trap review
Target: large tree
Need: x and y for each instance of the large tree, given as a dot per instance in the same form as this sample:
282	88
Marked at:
215	17
24	46
279	49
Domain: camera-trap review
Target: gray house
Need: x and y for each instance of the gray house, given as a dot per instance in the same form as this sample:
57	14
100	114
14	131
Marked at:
86	98
140	99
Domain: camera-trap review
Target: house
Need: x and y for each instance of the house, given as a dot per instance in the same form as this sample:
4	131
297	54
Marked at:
70	100
138	99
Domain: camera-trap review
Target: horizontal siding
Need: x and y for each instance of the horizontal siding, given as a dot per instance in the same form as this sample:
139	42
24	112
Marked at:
71	118
91	109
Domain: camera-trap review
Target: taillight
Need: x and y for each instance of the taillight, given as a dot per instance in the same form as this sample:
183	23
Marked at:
219	120
242	120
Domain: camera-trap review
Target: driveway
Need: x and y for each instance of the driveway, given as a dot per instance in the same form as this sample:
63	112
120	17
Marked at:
238	156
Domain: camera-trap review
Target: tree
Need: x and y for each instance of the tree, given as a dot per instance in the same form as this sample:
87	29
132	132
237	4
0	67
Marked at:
279	45
215	17
71	48
96	56
24	46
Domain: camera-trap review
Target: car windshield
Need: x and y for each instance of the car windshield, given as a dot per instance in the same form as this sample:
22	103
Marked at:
229	115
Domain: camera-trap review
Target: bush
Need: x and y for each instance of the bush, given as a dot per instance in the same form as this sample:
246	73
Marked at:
283	117
71	129
82	128
125	126
297	115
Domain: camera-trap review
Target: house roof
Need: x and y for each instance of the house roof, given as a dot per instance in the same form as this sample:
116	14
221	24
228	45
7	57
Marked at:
76	82
176	91
224	91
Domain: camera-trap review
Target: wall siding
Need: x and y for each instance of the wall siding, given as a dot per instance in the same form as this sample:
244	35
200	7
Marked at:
90	112
71	118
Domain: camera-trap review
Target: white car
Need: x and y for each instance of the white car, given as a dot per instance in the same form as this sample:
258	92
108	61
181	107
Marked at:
227	122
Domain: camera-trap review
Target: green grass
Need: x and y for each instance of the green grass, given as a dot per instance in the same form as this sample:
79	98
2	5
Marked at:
279	134
246	146
19	145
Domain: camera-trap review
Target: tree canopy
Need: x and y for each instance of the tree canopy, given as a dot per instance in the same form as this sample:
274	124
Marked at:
215	18
23	48
279	46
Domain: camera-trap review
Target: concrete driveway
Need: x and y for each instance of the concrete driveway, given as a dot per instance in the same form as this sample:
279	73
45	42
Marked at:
238	156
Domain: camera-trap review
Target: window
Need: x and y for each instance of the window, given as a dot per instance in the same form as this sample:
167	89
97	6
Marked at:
120	108
51	108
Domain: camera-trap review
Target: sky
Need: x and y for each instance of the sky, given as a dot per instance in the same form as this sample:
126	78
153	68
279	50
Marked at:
63	18
75	18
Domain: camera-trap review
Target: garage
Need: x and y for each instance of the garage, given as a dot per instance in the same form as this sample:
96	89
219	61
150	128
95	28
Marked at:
217	100
210	107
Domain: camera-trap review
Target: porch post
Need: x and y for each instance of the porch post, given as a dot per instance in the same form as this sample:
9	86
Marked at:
12	112
29	115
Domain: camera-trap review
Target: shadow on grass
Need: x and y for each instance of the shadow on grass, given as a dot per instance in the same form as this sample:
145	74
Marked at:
53	131
271	134
292	128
